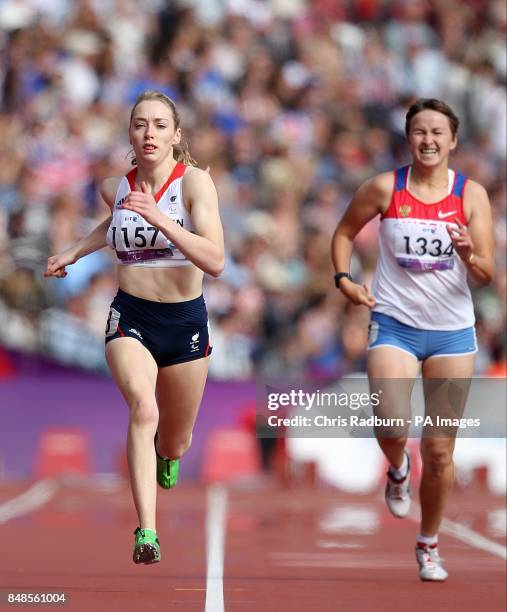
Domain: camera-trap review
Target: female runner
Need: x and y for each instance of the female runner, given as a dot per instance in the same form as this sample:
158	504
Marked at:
436	229
166	230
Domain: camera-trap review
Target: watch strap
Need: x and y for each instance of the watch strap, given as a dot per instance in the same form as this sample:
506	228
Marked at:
338	276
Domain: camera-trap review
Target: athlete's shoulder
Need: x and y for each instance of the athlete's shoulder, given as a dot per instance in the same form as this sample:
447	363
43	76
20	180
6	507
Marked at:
196	175
474	189
383	183
475	200
196	180
378	188
108	188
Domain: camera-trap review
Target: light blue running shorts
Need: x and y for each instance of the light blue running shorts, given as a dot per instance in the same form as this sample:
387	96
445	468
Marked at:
422	343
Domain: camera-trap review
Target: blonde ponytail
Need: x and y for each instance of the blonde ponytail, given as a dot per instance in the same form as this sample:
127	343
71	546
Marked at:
182	154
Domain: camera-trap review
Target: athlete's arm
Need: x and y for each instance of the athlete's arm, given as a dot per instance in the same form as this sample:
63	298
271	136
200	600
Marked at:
205	247
371	199
474	243
92	242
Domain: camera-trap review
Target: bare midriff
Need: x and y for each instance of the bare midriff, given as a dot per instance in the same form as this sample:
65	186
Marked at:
177	284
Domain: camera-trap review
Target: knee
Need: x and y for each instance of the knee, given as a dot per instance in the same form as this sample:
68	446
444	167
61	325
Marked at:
437	460
174	449
143	412
392	438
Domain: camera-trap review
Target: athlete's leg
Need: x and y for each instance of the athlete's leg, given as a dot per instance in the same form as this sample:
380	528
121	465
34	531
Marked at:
135	372
436	450
179	393
393	371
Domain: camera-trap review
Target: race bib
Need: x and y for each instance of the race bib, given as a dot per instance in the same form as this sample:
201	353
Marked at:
131	232
423	245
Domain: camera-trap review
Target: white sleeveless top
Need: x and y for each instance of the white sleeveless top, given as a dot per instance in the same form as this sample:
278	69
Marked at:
136	242
420	280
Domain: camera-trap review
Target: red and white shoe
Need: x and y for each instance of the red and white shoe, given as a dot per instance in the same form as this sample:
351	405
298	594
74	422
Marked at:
430	563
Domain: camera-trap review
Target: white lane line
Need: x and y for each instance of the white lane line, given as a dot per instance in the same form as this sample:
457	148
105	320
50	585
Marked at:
465	534
216	514
32	499
475	539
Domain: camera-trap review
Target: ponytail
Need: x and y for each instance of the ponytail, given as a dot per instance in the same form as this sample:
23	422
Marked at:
182	154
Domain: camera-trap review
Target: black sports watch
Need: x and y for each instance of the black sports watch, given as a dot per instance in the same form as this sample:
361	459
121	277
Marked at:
339	275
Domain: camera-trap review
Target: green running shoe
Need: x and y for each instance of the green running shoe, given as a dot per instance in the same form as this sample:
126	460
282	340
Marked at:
167	470
146	546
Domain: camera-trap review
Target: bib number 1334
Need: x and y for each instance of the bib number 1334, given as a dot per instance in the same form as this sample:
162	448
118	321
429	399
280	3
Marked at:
422	246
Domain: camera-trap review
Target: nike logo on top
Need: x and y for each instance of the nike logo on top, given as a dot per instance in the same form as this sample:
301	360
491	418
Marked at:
442	215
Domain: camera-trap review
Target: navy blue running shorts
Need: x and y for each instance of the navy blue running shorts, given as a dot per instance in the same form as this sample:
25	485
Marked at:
173	332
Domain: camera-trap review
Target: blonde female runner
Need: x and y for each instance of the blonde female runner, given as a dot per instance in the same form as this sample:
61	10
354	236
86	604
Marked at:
166	231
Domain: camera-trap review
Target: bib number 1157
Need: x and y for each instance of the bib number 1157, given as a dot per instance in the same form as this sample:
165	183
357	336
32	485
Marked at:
140	240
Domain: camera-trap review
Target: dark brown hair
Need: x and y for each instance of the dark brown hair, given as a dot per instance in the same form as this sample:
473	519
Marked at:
435	105
180	151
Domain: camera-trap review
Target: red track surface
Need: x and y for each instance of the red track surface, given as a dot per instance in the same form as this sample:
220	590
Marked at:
286	550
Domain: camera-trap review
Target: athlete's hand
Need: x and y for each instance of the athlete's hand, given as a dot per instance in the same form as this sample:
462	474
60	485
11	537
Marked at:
357	294
56	264
143	203
461	240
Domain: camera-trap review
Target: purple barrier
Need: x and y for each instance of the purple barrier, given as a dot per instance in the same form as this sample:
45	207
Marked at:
41	395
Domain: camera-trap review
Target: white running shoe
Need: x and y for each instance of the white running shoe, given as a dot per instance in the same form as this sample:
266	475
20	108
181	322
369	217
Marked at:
398	492
430	563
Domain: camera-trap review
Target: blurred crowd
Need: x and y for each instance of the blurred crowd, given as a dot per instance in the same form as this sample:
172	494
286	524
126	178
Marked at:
291	104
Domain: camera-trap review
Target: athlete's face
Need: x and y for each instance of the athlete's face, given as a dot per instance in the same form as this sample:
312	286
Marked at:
152	132
430	138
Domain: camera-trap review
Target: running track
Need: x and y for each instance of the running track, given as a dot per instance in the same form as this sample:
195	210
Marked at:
283	550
